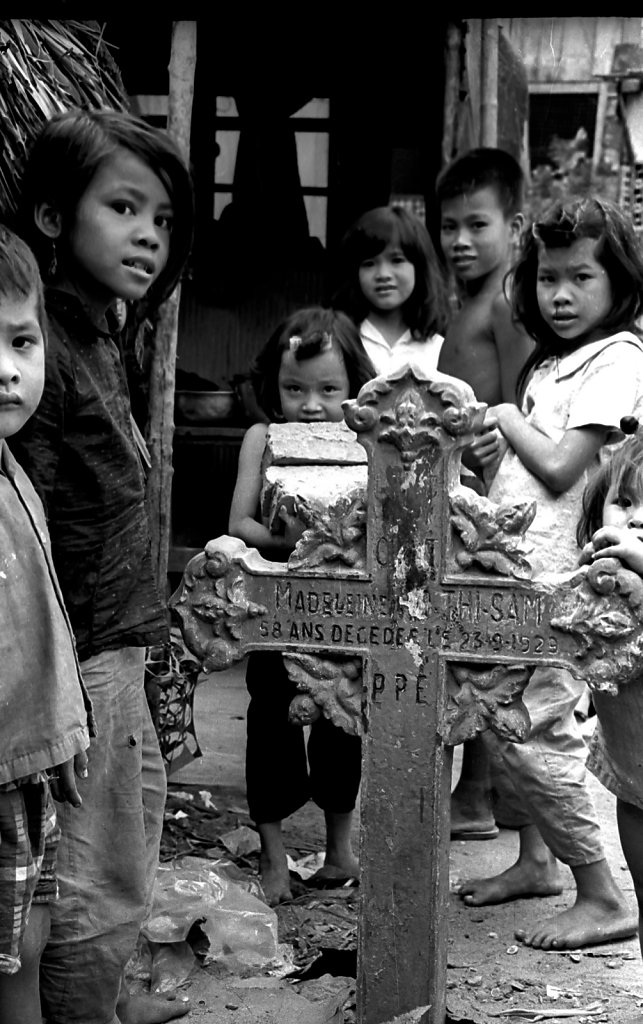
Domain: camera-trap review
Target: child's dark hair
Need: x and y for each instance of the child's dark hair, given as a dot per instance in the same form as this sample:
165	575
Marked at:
426	310
19	274
484	167
313	327
621	472
618	251
65	157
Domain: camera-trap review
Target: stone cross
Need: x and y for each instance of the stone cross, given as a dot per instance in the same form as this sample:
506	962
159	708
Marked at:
448	627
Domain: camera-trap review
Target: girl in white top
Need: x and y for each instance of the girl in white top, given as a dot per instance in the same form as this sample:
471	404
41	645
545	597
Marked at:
578	289
392	286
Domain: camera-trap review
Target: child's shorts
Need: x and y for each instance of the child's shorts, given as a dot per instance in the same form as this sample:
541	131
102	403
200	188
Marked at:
29	838
615	751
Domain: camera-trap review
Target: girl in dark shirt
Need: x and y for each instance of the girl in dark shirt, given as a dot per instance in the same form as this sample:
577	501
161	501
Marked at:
107	207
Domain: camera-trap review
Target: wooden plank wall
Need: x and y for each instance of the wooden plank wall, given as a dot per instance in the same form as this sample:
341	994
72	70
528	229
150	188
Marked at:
569	49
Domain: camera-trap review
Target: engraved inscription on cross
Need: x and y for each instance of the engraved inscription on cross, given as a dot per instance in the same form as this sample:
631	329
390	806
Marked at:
449	627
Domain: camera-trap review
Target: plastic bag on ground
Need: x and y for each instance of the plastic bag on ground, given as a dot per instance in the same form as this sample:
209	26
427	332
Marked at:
172	964
241	929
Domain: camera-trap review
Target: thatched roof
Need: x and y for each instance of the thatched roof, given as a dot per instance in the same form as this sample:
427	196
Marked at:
47	67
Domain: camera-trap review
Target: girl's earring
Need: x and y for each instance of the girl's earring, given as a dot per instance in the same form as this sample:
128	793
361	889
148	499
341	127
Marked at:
53	266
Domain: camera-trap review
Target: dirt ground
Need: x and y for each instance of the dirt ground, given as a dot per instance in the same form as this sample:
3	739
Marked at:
490	975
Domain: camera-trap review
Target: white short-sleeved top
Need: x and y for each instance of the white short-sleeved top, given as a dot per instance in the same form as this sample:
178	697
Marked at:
406	349
596	385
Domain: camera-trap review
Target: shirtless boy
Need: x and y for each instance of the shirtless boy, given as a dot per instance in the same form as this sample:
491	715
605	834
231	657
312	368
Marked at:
480	199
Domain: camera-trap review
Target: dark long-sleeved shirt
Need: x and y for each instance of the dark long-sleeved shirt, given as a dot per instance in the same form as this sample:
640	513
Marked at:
79	451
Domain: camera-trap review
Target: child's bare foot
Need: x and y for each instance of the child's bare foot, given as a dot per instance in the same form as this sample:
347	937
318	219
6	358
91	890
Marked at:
142	1008
275	880
273	864
472	816
471	807
337	869
346	862
600	914
517	882
581	925
340	863
535	873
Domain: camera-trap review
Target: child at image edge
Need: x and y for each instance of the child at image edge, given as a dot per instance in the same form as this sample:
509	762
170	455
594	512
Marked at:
46	717
479	195
612	527
311	363
392	287
106	204
578	289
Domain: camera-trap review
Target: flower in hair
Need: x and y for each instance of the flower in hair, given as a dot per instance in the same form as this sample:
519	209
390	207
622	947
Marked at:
629	424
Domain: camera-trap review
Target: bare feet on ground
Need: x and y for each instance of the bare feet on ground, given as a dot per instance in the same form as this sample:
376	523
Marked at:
149	1009
521	880
599	914
275	880
471	815
338	867
586	923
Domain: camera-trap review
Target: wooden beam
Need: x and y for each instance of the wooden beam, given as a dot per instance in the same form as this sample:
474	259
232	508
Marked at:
599	128
562	88
162	375
489	83
452	76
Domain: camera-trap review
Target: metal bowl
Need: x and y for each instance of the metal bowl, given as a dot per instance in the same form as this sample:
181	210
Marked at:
205	406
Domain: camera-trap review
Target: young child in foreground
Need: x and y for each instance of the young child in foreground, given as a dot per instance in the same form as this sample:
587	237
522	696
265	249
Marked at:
106	205
393	288
312	362
479	196
612	527
578	289
46	717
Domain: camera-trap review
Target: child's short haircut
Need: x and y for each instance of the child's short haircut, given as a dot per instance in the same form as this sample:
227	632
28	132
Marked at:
65	157
19	274
306	333
485	167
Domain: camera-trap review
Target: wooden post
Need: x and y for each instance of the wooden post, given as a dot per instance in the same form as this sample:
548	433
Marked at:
489	83
452	74
601	116
162	373
472	70
449	628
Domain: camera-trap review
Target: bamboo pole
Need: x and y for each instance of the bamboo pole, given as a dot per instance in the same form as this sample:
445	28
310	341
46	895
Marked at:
162	375
489	83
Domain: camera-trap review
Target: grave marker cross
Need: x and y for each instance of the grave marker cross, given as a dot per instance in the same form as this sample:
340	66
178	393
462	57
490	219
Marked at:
449	628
